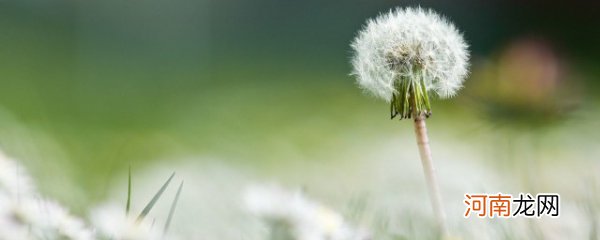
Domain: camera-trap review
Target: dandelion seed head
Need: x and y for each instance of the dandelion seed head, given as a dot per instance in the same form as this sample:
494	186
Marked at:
407	44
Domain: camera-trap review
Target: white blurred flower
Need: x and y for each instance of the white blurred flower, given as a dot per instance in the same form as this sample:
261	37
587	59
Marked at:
308	220
11	225
25	215
112	222
14	179
49	220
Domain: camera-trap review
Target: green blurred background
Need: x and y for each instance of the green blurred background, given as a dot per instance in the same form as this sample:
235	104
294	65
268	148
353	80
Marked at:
88	88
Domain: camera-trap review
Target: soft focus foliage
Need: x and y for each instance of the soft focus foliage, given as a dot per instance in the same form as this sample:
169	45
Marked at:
528	83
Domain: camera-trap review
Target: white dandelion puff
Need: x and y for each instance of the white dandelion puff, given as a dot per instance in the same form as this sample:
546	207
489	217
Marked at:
408	53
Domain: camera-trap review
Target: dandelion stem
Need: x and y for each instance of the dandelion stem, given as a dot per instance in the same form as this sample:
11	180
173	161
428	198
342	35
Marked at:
429	170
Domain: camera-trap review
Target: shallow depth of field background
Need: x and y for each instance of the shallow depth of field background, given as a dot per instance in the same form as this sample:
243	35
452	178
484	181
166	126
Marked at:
89	88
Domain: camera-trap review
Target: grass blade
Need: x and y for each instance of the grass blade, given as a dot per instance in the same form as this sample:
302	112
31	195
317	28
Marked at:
128	205
154	199
172	210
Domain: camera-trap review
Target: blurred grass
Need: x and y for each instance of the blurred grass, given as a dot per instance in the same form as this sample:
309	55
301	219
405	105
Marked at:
85	93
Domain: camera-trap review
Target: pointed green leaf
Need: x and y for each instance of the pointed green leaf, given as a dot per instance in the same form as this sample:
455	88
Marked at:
128	205
172	210
150	204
